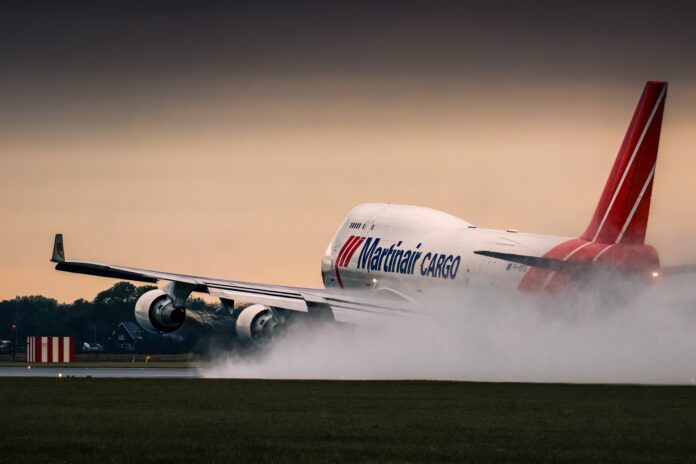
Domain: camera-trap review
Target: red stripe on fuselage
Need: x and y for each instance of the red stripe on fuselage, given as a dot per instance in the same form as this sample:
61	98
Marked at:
349	244
339	258
356	244
344	249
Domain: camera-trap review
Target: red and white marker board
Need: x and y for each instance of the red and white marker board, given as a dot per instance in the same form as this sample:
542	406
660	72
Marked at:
50	349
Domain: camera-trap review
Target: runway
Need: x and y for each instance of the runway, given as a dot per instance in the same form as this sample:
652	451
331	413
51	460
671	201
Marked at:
102	372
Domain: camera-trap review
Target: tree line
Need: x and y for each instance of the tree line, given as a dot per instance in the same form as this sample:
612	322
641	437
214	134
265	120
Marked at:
96	320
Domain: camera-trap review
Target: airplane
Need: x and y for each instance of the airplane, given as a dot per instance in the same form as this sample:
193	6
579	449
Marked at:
385	260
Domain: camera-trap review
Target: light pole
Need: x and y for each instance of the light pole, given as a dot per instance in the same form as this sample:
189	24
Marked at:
14	347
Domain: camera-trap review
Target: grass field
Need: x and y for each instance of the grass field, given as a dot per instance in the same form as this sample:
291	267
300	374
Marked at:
175	421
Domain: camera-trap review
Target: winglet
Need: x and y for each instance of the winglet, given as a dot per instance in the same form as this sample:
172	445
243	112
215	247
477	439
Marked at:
58	250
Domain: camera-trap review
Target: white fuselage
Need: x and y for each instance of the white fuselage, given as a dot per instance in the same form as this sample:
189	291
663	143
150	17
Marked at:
410	249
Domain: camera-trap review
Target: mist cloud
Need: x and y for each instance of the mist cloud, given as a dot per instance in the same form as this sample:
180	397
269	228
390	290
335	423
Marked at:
494	337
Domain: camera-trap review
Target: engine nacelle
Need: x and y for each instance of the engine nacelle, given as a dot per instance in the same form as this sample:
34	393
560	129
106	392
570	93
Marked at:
256	323
155	313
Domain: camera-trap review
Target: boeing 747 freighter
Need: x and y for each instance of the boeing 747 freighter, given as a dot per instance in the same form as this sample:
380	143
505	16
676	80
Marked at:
385	260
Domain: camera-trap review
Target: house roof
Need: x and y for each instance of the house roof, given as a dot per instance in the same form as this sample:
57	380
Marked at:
132	328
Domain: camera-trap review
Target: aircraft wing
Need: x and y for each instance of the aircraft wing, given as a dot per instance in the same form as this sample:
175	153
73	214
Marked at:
342	306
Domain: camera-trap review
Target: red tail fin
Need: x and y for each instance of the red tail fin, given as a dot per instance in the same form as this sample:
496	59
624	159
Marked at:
622	213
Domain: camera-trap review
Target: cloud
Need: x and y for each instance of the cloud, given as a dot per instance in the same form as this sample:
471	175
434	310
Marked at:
499	337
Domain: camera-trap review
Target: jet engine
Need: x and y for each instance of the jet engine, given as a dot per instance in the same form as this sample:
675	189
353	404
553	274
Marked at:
155	312
256	324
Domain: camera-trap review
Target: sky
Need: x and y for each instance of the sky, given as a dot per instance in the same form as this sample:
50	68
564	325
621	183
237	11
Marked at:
231	139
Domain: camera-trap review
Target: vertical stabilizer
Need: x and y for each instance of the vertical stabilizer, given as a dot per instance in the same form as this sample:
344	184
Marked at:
622	212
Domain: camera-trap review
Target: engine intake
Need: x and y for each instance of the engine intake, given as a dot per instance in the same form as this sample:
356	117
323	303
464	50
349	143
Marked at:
256	324
155	312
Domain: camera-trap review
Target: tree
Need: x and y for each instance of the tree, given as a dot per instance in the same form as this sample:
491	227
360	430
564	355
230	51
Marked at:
41	316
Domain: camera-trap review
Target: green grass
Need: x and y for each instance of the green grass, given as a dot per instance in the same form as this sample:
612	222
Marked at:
191	420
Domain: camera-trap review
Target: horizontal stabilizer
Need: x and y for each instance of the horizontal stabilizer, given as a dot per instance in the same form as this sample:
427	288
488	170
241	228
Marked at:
575	267
550	264
669	271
